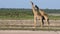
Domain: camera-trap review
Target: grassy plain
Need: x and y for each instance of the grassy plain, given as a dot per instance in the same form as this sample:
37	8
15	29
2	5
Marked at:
23	14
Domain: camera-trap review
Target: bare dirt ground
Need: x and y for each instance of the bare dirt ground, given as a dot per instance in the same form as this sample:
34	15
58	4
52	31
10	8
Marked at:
27	22
28	32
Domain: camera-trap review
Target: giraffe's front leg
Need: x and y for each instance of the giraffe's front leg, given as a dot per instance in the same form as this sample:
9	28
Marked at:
35	21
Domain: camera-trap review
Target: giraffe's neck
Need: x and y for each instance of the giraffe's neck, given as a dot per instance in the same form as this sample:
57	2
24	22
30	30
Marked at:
34	11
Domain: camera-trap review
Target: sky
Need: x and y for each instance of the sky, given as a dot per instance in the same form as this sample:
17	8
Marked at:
51	4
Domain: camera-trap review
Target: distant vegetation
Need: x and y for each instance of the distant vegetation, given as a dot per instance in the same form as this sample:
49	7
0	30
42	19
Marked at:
12	13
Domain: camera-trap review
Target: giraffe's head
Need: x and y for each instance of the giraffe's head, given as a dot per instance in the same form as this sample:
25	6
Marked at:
37	8
31	2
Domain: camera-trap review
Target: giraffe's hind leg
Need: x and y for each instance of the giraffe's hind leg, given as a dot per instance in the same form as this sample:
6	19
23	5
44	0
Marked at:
41	24
43	20
47	21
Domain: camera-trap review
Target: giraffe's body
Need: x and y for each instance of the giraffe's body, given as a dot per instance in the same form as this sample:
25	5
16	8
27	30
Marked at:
45	16
38	14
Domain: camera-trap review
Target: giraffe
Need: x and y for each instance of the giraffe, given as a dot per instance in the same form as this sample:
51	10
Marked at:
36	15
39	14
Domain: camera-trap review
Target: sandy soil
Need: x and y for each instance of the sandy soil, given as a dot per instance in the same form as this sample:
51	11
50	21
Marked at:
28	32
